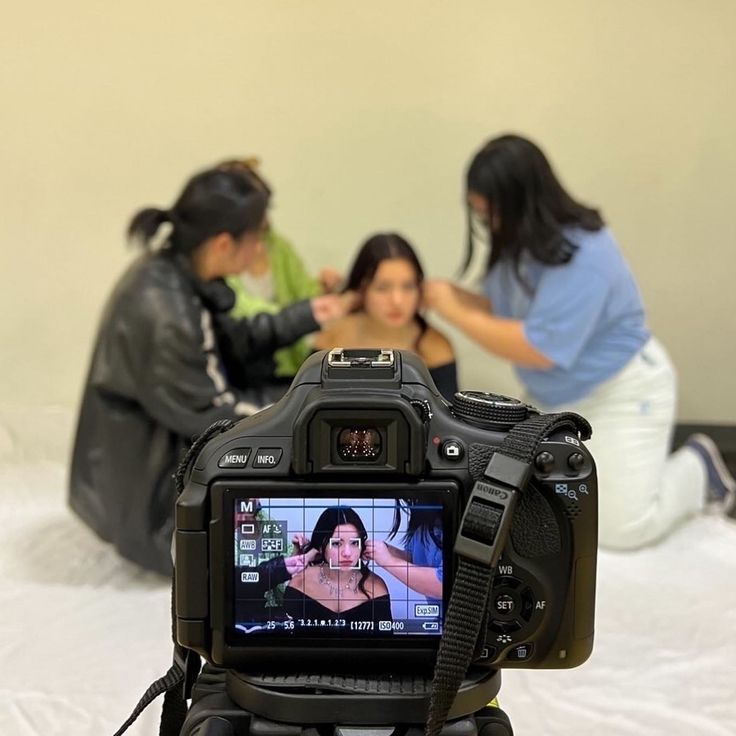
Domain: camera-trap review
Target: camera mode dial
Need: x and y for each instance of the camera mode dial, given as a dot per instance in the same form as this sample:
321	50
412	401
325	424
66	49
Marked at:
490	411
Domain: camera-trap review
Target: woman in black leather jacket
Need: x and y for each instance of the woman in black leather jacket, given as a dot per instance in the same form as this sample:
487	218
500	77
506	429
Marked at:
157	377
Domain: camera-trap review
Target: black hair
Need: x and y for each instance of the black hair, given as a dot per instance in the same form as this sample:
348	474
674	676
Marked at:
218	200
424	521
528	202
378	248
324	530
248	167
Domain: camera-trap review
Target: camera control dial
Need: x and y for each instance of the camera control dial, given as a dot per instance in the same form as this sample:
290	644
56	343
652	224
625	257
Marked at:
491	411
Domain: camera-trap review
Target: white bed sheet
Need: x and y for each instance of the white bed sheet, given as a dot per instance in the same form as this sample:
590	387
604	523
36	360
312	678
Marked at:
83	633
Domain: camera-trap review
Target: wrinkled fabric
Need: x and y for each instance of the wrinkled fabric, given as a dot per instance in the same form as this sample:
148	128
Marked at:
156	381
84	632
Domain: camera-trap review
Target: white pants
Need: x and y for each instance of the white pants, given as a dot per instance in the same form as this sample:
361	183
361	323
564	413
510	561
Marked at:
643	493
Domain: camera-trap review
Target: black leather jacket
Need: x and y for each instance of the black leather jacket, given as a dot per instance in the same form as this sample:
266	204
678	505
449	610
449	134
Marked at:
156	381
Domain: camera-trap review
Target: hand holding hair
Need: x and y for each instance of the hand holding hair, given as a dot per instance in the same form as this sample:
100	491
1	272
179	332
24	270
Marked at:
439	295
330	307
330	280
298	563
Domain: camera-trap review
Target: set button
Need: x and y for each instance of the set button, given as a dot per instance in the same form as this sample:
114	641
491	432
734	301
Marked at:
512	605
504	604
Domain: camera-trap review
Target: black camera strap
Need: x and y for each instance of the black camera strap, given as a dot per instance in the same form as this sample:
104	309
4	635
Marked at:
483	534
176	684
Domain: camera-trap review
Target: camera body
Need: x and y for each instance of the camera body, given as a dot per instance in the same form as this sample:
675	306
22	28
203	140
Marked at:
317	535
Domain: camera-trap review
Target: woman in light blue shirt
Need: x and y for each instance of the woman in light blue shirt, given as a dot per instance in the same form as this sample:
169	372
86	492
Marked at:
562	305
418	564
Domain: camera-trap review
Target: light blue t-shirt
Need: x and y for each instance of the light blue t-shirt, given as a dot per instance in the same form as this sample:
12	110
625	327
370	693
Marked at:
586	316
423	551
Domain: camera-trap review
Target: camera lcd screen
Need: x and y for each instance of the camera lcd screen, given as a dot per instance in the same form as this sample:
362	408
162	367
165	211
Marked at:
338	567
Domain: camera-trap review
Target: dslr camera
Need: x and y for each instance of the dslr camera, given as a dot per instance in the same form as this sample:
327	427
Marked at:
315	546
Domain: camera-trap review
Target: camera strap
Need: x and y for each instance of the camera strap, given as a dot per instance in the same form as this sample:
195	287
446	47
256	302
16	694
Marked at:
483	534
176	684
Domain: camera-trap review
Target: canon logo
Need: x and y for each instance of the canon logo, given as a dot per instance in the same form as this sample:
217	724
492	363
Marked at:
491	491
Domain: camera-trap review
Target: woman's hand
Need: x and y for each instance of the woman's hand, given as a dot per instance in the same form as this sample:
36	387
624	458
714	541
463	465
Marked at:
330	280
381	553
299	542
504	336
439	295
297	563
330	307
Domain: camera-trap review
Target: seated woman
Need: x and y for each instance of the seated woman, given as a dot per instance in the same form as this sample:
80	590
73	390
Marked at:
338	584
388	276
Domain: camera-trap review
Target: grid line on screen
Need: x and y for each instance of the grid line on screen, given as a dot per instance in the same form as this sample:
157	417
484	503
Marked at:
327	594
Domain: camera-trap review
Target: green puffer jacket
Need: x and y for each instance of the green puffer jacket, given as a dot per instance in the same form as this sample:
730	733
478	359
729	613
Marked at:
292	283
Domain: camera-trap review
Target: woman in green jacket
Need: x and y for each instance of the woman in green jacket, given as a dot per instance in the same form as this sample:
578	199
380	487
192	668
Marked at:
274	280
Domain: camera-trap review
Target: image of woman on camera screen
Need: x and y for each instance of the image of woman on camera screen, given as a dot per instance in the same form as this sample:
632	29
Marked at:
388	276
338	583
419	563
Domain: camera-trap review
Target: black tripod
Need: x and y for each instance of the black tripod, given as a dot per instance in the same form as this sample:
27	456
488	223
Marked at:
236	704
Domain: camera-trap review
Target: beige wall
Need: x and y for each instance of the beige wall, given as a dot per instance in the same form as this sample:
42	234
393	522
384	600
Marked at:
364	115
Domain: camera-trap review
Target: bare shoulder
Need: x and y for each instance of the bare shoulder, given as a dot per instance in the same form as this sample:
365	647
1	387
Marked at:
300	582
339	333
377	585
435	349
330	335
323	339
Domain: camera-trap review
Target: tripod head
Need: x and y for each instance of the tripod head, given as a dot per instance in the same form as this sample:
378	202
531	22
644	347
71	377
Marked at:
225	703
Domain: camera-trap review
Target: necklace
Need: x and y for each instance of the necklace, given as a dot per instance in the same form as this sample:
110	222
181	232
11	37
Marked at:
334	588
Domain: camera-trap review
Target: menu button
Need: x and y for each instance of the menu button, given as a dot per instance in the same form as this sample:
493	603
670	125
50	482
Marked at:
237	458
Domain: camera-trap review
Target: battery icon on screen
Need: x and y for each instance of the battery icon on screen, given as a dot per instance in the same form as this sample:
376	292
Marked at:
431	626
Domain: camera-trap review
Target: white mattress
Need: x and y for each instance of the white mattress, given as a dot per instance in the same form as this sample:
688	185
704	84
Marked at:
83	633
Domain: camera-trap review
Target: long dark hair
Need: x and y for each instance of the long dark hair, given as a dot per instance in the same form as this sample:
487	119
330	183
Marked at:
378	248
219	200
531	206
324	530
423	520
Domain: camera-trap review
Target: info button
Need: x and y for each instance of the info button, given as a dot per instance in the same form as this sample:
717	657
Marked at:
267	457
237	458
